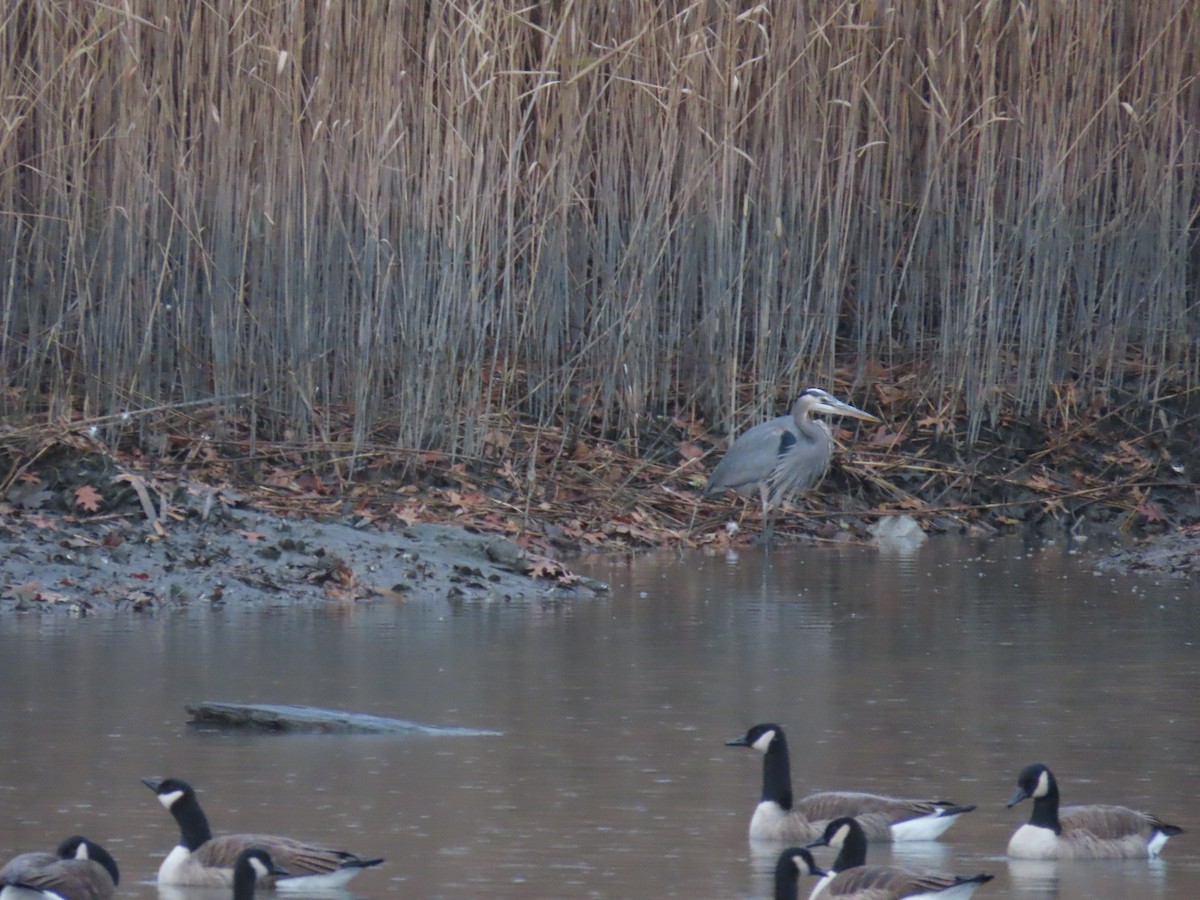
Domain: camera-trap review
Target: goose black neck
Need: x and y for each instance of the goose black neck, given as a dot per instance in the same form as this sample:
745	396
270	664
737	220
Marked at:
1045	811
853	852
193	824
244	878
787	879
99	855
777	773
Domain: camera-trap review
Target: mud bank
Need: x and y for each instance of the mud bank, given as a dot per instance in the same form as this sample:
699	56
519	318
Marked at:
59	564
249	558
1176	554
92	528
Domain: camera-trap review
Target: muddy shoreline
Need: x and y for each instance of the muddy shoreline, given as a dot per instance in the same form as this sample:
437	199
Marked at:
257	559
90	527
251	558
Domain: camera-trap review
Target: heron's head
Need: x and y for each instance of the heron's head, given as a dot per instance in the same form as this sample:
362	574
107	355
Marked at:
815	400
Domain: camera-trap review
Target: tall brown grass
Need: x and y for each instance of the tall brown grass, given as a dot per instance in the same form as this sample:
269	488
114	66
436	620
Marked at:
587	213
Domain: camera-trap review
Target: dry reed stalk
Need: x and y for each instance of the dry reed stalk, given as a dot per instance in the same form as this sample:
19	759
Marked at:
590	215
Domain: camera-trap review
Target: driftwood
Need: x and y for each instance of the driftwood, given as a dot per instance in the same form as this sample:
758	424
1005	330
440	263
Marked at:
286	717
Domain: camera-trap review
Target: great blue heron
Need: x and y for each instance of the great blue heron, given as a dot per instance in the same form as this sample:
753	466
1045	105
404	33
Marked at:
780	458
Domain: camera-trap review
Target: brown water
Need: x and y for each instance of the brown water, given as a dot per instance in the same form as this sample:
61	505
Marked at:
940	674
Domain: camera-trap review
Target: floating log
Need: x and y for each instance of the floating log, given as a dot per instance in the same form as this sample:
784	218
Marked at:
288	717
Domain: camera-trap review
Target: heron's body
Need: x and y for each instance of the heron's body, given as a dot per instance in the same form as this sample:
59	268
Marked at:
1081	832
850	878
758	458
203	860
80	870
783	457
780	818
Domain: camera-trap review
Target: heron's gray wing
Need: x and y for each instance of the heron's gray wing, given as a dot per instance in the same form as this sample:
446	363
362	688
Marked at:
751	458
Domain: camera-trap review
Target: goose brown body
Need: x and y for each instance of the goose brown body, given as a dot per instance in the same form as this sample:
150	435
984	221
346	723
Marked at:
202	859
778	817
1081	832
850	878
79	870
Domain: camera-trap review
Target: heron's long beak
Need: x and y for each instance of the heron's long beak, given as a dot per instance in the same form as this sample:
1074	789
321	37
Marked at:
833	407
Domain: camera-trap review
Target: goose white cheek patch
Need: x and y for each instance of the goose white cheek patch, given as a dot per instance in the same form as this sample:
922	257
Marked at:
168	800
1043	785
764	742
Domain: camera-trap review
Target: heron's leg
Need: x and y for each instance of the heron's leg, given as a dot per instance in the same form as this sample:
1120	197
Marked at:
768	525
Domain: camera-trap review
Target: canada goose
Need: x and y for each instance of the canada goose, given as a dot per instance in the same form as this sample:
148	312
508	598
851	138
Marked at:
850	878
779	818
792	863
203	860
1081	832
79	870
252	864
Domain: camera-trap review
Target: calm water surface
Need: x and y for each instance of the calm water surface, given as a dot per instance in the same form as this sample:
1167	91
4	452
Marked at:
940	674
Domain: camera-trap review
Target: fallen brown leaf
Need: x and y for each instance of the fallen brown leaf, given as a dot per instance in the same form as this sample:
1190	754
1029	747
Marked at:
30	496
24	593
551	569
884	438
88	498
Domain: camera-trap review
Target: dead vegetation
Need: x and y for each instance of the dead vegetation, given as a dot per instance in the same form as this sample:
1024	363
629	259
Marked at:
529	258
1118	466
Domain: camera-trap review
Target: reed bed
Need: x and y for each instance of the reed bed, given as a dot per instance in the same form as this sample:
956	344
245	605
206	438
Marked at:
435	217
